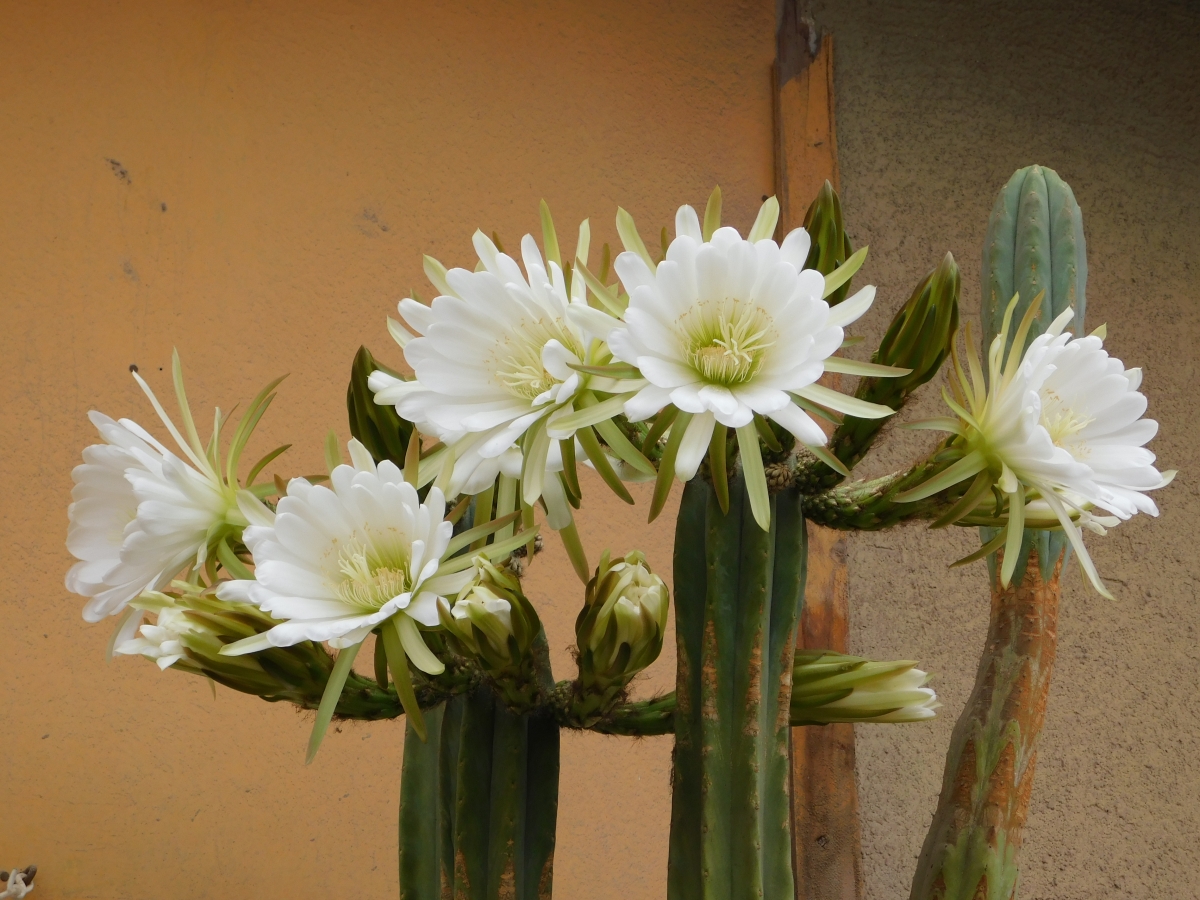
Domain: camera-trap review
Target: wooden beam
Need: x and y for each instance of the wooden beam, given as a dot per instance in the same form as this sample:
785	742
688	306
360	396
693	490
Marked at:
826	832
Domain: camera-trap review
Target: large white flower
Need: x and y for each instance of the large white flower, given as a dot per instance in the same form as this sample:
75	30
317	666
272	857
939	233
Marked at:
334	562
140	514
1059	430
730	328
493	356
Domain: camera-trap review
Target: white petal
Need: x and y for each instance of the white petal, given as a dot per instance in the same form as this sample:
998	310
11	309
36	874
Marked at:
852	308
687	223
694	445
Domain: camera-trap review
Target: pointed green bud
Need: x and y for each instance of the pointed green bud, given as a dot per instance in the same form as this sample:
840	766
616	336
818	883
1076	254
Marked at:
918	339
620	629
830	246
377	427
832	687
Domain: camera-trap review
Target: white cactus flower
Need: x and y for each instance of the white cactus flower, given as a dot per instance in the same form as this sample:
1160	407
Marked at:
162	641
493	356
335	562
731	328
1059	429
140	514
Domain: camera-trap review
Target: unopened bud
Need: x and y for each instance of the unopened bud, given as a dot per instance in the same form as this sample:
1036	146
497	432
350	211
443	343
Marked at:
492	622
483	622
620	629
831	687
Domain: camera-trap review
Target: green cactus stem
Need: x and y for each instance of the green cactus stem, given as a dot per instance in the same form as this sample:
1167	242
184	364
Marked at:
738	593
1035	248
972	845
479	802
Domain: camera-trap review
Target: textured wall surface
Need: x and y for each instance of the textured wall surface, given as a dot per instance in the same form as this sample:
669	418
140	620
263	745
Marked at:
938	103
255	183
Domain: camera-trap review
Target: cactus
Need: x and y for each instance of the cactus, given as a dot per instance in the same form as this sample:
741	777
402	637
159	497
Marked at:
1035	248
478	804
479	793
738	594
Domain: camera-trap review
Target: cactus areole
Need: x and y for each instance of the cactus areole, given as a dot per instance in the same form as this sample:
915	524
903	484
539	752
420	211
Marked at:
700	359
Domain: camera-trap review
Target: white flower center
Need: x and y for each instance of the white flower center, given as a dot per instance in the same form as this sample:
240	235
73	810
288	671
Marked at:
1060	420
726	346
517	357
372	577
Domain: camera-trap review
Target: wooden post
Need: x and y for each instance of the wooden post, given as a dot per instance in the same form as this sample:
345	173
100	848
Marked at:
826	833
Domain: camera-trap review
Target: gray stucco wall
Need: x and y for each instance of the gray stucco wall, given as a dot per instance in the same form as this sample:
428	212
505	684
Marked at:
938	103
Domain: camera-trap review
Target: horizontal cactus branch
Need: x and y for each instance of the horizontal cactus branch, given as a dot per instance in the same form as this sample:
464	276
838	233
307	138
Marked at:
299	674
871	505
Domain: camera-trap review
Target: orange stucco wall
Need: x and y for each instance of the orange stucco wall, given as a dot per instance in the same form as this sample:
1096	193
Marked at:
254	184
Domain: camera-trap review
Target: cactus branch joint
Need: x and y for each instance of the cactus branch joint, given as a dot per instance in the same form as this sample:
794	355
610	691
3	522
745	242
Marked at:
699	359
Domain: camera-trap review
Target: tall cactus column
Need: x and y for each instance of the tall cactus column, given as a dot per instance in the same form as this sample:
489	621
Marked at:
1034	247
738	594
478	803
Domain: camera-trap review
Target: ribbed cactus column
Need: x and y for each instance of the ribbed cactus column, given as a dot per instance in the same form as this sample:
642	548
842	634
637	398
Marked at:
738	593
478	803
1034	247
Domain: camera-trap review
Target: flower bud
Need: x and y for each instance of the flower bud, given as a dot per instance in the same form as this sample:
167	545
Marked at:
620	629
483	623
831	687
493	623
162	641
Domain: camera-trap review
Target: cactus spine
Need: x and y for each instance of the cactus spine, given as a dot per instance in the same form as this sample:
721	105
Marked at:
1034	246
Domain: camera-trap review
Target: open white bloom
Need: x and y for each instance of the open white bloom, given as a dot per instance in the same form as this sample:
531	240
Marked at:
162	641
731	328
140	514
493	356
335	562
1059	430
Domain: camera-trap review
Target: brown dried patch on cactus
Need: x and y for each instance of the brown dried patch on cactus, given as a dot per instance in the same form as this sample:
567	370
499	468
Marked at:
983	808
708	672
507	889
546	881
753	698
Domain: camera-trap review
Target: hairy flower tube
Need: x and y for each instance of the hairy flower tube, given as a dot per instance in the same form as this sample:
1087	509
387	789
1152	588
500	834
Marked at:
832	687
140	514
730	330
497	357
1057	429
336	563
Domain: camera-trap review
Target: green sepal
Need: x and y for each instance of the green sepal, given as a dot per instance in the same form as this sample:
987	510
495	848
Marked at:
378	428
